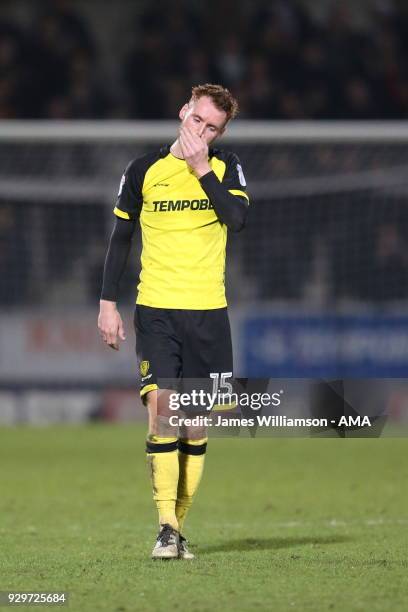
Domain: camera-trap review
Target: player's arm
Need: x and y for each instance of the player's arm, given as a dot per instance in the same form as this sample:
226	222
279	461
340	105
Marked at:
231	209
127	210
228	197
116	258
110	322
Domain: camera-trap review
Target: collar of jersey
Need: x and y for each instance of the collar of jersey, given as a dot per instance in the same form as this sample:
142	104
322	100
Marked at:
175	159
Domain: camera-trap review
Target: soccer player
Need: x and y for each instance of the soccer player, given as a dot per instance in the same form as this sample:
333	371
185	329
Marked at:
185	197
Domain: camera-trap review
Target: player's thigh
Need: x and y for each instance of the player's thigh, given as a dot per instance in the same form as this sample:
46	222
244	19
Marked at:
207	346
158	348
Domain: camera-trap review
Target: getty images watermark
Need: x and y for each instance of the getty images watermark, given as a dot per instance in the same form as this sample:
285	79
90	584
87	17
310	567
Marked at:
253	401
208	401
222	401
275	406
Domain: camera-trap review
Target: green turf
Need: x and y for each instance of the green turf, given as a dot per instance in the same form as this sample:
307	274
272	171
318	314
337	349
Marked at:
278	524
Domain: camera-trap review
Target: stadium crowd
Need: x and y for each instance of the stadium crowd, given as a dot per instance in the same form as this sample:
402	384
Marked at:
276	57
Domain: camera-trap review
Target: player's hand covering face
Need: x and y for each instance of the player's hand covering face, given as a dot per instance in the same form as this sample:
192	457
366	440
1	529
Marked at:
203	118
201	123
194	148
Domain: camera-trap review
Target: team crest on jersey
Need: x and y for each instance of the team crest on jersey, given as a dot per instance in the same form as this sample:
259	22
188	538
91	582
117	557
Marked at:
144	367
241	175
122	182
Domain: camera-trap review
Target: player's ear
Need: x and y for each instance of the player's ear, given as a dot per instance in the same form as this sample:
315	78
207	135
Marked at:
183	112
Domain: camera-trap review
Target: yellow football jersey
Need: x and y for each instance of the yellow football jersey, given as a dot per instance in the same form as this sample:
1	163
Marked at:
183	242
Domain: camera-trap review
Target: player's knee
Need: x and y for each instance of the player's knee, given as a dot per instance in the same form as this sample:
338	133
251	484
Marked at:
160	422
192	433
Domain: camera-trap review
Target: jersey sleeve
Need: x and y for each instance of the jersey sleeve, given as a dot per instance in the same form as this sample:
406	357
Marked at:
130	198
234	178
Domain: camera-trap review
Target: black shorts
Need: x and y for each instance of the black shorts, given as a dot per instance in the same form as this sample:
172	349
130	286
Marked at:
181	344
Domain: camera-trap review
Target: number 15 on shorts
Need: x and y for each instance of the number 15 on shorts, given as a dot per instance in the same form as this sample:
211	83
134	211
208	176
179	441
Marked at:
220	383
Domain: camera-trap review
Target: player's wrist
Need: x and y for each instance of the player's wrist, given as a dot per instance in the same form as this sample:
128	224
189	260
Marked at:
202	170
107	305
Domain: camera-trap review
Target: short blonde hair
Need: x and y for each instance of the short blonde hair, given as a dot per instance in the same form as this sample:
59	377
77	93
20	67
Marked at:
222	98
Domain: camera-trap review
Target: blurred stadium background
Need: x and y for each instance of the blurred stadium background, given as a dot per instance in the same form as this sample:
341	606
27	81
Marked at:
317	283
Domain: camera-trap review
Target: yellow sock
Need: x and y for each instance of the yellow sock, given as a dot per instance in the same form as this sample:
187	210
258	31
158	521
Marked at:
191	464
164	468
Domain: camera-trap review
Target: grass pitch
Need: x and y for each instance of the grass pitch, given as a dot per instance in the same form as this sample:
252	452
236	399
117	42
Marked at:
278	524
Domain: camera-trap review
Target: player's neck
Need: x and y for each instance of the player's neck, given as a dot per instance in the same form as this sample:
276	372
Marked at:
175	150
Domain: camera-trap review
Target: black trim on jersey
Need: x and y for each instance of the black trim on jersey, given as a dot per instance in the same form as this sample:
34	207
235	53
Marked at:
116	258
130	198
192	449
